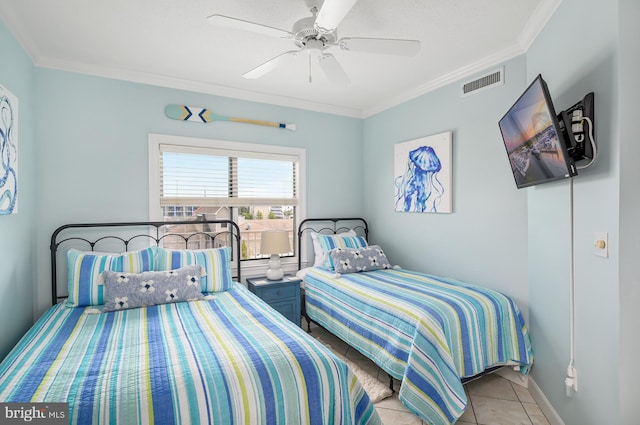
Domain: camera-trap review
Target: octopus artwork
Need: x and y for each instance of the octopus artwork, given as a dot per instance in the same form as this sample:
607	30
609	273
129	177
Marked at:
8	153
419	185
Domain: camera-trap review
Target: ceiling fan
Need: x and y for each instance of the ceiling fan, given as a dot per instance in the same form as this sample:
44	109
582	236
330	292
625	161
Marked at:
314	35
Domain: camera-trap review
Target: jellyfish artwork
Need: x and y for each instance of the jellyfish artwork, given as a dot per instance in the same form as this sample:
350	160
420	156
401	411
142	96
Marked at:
8	153
419	189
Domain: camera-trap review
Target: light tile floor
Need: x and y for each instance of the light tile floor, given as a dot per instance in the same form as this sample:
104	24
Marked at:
493	399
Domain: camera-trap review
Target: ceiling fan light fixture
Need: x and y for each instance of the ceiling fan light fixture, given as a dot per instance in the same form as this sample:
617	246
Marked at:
315	45
315	35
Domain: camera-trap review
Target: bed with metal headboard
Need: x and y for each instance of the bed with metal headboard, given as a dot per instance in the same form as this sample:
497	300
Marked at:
310	253
309	228
152	326
129	236
430	332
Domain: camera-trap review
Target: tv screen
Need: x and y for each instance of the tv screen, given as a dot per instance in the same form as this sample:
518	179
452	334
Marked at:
534	139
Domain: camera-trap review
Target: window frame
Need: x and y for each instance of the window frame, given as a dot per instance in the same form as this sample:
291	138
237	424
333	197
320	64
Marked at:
254	266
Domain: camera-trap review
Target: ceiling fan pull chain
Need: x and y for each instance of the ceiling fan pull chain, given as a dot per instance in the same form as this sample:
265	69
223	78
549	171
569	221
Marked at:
309	68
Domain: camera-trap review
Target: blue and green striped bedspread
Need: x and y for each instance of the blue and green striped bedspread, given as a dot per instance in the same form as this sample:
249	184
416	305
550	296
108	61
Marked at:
228	360
428	331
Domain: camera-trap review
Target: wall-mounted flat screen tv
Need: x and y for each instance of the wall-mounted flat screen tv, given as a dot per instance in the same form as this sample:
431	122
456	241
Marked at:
534	139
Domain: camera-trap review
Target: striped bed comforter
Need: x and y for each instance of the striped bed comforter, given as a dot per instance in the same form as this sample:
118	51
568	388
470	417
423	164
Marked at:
228	360
428	331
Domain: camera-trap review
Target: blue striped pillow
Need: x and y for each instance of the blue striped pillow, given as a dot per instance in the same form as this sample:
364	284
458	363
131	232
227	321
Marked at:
216	262
84	283
331	242
137	261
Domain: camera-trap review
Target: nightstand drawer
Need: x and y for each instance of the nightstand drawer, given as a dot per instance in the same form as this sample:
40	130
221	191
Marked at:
280	292
282	295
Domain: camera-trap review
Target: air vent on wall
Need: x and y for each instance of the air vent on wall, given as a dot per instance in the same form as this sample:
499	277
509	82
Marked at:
494	78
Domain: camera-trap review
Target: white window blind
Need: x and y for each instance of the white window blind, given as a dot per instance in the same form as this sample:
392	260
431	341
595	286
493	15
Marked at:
223	177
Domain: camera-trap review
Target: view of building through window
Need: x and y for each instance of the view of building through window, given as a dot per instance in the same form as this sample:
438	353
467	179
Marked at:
252	221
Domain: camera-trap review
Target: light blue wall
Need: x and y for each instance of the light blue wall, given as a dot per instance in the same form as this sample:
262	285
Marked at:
17	232
484	240
629	54
92	150
84	158
572	70
536	252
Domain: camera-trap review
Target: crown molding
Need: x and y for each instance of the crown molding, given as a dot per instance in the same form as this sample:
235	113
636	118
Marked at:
38	60
196	86
537	22
540	16
449	78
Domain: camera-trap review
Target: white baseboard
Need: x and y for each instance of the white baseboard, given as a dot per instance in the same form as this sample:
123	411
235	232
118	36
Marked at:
544	404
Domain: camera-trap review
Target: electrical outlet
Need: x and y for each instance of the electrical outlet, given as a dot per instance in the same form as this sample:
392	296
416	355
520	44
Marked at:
601	244
571	381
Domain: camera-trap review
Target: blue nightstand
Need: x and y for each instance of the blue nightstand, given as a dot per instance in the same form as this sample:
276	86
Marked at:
283	295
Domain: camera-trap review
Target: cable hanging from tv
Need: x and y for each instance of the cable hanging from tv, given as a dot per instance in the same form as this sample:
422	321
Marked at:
572	125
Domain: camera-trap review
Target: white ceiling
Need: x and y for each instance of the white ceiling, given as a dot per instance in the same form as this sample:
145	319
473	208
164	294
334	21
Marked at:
170	43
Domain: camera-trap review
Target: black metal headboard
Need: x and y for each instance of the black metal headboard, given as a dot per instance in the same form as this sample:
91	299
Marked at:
126	236
330	226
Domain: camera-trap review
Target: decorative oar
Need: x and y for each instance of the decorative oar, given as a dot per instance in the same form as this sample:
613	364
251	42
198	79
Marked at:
203	115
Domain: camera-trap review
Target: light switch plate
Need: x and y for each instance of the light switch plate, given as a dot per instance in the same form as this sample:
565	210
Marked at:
604	251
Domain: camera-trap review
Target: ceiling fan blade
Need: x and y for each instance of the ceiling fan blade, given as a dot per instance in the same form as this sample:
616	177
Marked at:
332	69
239	24
331	14
270	65
385	46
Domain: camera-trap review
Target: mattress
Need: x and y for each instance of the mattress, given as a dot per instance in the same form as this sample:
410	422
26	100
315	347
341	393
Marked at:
428	331
230	359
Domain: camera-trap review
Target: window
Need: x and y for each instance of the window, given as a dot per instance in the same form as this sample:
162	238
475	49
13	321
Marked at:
258	186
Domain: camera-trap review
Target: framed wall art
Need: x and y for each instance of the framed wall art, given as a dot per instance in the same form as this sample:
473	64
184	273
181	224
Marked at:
8	152
422	170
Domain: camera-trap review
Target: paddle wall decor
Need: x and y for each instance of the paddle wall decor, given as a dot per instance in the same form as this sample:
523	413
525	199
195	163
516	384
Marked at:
204	115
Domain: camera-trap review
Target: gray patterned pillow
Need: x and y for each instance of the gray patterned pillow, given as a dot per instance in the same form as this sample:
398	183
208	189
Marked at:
131	290
351	260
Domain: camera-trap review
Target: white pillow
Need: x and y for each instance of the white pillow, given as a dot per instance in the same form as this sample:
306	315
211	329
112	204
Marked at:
300	274
317	249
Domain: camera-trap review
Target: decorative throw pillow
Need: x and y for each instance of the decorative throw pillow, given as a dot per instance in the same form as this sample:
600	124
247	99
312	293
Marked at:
132	290
350	260
331	242
84	284
216	263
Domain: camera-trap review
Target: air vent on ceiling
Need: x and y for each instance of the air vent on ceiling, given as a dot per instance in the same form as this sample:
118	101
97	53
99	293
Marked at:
494	78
